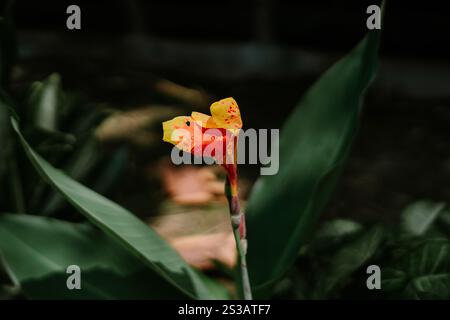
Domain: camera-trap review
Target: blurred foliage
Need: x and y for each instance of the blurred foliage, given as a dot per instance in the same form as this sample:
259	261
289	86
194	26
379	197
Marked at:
61	127
51	158
108	271
46	120
127	229
413	265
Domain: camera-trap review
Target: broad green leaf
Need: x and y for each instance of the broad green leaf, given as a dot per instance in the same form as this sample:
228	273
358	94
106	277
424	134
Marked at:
435	286
429	257
38	250
419	216
314	143
421	272
347	260
123	226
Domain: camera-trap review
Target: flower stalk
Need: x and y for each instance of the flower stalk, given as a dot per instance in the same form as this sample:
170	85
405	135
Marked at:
239	228
217	134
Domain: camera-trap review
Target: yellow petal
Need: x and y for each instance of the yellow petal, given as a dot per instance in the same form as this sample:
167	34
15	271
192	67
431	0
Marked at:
178	131
226	114
204	120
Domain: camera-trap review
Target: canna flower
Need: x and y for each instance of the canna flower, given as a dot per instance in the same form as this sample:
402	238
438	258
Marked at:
216	133
216	136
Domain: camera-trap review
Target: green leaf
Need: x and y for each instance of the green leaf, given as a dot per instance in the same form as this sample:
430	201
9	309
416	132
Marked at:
123	226
419	216
421	272
38	250
436	286
314	143
111	171
347	260
333	233
45	102
81	162
338	228
429	257
393	280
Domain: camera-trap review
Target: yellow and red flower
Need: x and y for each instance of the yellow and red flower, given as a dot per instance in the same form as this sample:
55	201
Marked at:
219	131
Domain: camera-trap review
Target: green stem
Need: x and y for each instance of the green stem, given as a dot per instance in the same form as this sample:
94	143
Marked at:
247	291
238	219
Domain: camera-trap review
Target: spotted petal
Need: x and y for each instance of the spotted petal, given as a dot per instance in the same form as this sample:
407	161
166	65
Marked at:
226	114
179	131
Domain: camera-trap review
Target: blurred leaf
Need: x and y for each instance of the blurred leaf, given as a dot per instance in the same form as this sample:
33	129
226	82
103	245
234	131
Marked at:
334	233
190	96
81	162
419	216
122	225
436	286
314	142
393	280
139	127
429	257
421	272
75	149
347	260
37	252
46	139
110	171
44	102
338	228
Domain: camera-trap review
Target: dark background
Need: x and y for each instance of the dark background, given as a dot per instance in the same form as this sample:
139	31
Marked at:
266	54
413	28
